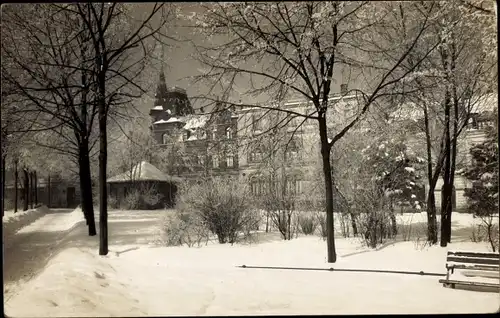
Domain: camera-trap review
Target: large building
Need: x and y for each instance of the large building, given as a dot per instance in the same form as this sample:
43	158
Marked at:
209	140
241	141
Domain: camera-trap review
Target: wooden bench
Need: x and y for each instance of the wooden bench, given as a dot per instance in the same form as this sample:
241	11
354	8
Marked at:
486	262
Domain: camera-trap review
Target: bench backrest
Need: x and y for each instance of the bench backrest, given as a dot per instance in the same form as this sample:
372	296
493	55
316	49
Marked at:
473	258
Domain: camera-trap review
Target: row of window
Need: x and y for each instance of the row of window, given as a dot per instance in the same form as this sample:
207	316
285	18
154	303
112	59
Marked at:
259	186
256	156
216	162
257	124
201	134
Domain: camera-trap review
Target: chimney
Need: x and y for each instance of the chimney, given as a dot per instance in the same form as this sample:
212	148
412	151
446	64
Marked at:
343	89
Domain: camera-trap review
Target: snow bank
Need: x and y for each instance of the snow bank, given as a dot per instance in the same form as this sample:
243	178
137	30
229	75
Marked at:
55	222
135	280
13	222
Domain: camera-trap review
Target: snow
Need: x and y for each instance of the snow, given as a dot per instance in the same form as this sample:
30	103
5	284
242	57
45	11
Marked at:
10	216
54	222
170	120
196	121
147	280
410	169
206	281
158	107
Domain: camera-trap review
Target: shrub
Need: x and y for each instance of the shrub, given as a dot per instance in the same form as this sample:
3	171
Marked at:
486	231
375	226
222	205
112	202
141	197
183	228
131	201
321	220
307	224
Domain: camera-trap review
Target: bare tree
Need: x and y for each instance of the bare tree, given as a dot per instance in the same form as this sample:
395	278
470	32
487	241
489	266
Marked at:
451	84
47	69
299	48
120	50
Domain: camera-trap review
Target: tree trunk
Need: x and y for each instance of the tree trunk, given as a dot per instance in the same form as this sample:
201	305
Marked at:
455	138
86	186
431	217
394	225
447	192
103	157
432	177
26	189
36	188
31	189
48	191
353	223
327	173
267	221
2	179
16	185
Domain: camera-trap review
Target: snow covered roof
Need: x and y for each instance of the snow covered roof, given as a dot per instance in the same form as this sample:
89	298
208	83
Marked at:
158	107
170	120
143	171
196	121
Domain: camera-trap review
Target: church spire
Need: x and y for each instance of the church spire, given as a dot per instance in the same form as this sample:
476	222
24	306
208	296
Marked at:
161	89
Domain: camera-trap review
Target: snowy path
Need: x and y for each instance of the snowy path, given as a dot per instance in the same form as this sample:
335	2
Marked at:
27	252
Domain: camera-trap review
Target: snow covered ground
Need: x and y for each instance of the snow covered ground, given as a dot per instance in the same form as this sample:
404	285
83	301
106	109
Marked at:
10	216
144	280
54	222
13	222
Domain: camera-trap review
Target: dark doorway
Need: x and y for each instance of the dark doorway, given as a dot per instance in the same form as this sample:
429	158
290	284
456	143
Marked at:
70	197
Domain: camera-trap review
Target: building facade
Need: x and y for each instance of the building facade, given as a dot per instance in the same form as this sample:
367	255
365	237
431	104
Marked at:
255	144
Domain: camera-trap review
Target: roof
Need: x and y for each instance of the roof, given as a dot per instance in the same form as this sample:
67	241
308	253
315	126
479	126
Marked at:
170	120
143	171
196	121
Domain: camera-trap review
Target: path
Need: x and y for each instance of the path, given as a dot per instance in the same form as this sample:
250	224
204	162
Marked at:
26	254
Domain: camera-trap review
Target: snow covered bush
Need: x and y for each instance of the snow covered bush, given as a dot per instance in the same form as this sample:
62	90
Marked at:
223	206
183	228
482	197
307	224
141	197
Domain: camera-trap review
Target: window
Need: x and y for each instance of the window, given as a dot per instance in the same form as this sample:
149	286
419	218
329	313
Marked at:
343	89
255	156
230	160
256	123
215	161
164	138
202	134
229	133
185	135
201	161
214	133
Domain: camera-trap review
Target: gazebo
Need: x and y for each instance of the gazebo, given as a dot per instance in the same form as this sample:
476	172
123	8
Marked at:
144	176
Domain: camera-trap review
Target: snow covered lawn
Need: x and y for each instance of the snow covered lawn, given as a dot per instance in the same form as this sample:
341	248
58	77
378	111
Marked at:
141	280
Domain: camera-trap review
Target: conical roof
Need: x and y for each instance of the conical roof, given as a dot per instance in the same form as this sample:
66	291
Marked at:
143	171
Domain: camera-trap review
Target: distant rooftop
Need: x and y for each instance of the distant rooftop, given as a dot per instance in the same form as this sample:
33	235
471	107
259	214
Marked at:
143	171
